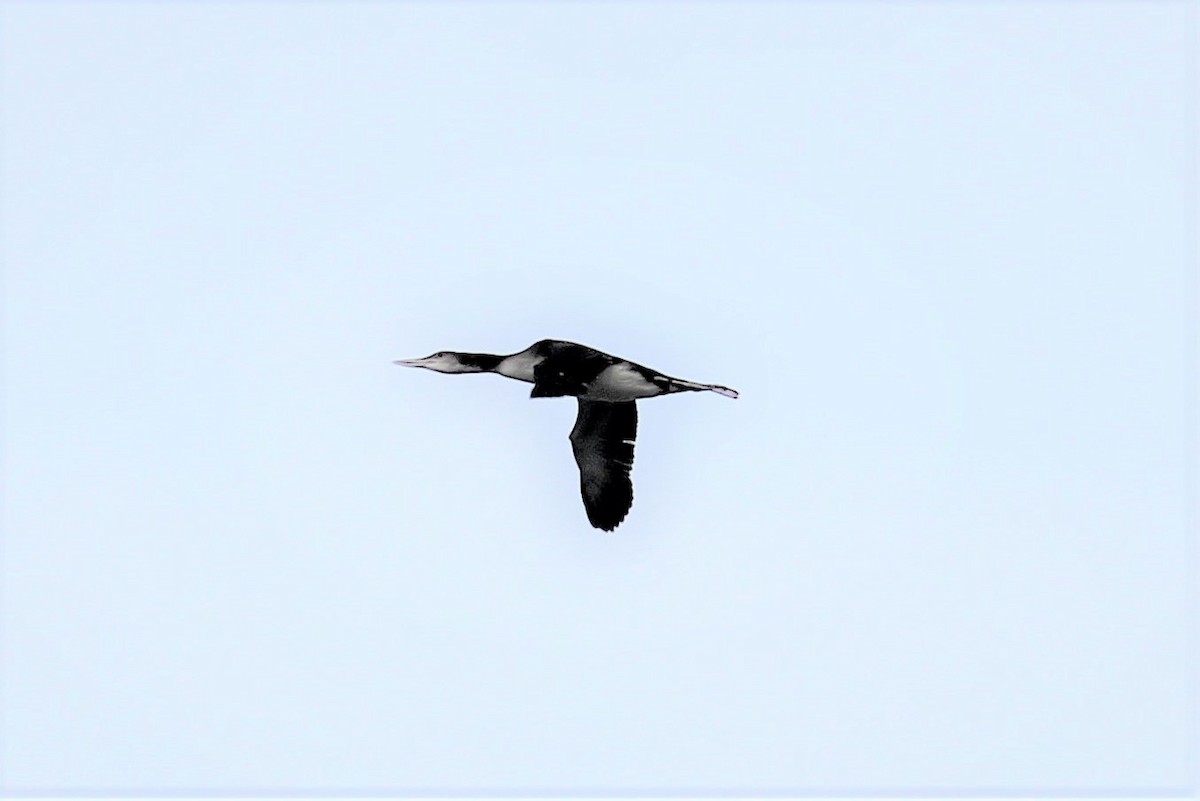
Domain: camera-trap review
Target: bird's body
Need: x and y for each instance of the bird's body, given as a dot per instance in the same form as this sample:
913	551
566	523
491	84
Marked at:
607	388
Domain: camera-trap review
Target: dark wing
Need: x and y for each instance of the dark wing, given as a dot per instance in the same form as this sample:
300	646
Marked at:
567	369
603	439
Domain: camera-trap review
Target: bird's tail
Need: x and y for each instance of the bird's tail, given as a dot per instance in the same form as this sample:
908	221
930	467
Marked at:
679	385
720	390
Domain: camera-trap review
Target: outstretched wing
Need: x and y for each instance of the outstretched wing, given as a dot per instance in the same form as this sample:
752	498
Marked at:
603	439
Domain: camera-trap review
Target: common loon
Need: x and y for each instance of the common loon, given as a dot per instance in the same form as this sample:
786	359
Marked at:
607	388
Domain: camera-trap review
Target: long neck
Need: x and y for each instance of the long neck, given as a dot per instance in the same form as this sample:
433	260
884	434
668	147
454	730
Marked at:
483	362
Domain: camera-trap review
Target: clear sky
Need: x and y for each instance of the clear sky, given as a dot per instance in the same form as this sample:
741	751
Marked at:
939	544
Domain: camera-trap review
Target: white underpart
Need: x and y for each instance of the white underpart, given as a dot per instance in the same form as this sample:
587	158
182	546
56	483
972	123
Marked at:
519	366
620	382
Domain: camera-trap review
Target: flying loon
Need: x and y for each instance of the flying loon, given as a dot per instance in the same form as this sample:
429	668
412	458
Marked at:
607	388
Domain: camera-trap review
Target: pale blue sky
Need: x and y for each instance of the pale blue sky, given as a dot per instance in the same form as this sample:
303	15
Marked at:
939	545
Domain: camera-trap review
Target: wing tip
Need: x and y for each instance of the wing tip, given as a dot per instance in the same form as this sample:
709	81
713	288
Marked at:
608	512
607	525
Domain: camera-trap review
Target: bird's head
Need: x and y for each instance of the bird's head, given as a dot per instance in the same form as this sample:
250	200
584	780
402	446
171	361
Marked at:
445	361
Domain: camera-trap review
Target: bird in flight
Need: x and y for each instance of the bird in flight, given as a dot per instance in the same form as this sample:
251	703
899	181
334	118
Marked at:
607	388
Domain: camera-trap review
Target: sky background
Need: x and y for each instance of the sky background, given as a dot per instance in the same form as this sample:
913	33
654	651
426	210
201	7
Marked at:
940	544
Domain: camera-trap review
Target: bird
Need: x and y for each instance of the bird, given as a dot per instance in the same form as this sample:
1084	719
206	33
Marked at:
607	389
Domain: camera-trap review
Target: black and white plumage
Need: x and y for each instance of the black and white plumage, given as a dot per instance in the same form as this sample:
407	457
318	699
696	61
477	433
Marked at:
607	388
